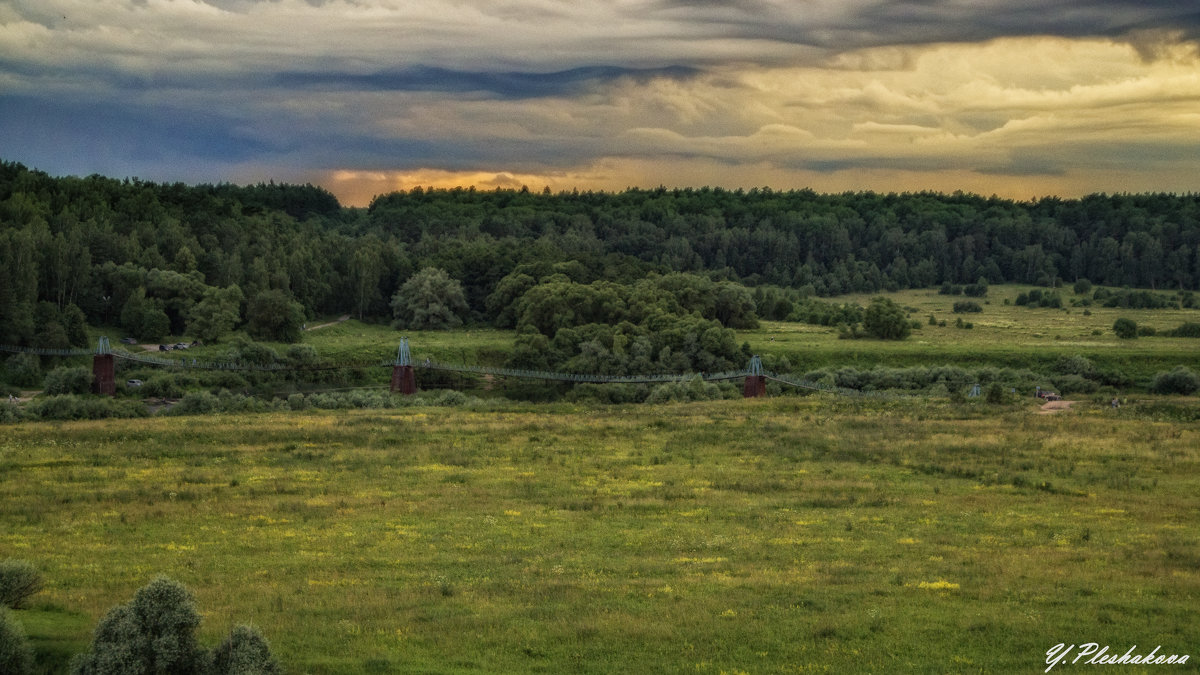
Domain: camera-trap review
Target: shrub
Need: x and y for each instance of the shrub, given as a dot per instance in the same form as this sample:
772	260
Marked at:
154	633
16	657
9	412
24	370
167	385
1075	365
244	652
297	402
692	389
965	306
1082	287
1146	331
608	393
885	320
1074	384
1052	300
68	381
301	355
996	393
1190	329
196	402
253	353
71	407
978	289
1126	329
18	580
1180	380
449	398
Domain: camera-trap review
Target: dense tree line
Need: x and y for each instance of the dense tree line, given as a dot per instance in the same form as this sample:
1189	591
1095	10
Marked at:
171	259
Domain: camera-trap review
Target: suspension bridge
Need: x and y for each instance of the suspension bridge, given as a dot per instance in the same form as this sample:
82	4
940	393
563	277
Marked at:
403	381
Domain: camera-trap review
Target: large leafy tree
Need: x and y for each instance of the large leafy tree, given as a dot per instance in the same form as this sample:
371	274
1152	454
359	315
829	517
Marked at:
274	315
216	314
429	300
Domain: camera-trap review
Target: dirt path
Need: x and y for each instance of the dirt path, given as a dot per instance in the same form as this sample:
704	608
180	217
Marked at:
344	317
1051	407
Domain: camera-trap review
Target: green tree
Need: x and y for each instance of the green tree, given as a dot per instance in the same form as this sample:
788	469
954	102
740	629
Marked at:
273	315
1126	329
885	320
244	652
154	633
68	381
144	317
154	324
23	370
16	657
365	272
429	300
19	580
75	324
734	306
1180	380
218	311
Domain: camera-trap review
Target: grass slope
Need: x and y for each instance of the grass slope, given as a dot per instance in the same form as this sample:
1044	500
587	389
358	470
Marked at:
764	536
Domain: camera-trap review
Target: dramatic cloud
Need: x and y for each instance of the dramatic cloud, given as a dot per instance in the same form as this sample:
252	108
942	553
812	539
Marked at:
1016	97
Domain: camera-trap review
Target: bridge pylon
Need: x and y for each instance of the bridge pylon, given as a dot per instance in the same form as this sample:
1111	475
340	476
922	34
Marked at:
104	370
756	382
404	379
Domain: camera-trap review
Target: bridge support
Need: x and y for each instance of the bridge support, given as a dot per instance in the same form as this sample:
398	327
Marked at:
404	380
755	386
104	375
756	381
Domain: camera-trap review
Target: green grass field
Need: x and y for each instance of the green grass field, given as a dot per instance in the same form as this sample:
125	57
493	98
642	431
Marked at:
1003	336
790	535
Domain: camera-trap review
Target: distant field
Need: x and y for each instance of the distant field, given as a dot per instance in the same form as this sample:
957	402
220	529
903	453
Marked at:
765	536
1003	335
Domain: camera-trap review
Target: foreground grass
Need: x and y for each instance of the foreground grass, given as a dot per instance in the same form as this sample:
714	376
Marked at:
777	536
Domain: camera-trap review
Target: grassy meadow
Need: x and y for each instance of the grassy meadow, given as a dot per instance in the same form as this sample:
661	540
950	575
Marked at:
789	535
1003	335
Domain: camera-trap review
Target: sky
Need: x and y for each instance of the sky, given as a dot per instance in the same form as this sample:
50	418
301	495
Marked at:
1015	98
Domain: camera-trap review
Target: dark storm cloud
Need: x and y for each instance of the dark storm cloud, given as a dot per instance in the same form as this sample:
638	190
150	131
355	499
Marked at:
851	24
506	85
195	89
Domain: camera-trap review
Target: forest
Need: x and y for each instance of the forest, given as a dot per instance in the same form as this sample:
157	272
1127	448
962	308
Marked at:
159	259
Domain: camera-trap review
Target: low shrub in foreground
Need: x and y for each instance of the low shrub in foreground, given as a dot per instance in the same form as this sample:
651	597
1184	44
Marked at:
203	402
16	657
244	652
71	407
155	633
18	580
